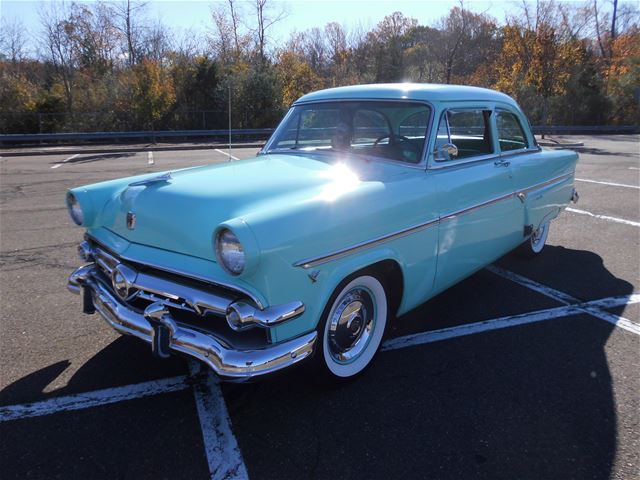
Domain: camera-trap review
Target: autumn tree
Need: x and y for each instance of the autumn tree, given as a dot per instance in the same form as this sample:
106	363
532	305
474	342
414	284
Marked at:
59	48
153	92
624	78
338	54
98	62
296	77
536	59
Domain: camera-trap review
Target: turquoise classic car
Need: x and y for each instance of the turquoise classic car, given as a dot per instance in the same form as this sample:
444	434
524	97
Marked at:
366	202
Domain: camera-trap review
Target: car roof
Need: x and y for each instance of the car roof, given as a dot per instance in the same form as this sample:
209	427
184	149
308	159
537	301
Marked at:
431	92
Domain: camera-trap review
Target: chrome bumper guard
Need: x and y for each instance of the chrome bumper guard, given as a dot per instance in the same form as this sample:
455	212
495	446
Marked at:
574	196
157	327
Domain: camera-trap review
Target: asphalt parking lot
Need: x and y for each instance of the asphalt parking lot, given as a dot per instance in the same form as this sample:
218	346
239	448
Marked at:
526	370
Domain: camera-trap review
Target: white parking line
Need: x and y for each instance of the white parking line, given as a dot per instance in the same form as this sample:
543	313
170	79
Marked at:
604	217
220	445
227	154
607	183
150	160
93	399
57	165
634	168
506	322
533	285
566	299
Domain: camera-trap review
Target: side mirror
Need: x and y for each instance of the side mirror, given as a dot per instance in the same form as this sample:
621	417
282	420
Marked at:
447	151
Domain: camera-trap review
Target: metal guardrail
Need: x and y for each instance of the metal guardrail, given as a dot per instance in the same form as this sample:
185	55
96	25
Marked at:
88	136
583	129
47	137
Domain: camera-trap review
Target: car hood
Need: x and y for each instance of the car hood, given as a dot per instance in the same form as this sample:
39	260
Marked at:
182	212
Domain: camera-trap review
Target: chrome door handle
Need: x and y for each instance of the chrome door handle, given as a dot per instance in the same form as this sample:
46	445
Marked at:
502	163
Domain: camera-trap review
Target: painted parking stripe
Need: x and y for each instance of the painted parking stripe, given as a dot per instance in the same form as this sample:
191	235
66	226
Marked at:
227	154
57	165
93	399
220	445
604	217
612	184
209	399
506	322
150	160
634	168
533	285
565	298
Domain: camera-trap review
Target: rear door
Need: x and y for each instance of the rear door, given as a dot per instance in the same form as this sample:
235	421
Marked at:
481	218
543	180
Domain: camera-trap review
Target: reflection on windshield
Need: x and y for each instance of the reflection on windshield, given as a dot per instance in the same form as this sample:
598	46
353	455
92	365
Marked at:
385	129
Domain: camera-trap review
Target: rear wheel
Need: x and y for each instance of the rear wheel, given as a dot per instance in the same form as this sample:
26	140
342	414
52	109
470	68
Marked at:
353	327
536	242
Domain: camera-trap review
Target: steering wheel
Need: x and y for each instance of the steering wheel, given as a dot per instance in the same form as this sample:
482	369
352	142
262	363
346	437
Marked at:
391	136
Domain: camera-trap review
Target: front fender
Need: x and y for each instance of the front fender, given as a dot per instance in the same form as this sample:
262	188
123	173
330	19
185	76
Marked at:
317	292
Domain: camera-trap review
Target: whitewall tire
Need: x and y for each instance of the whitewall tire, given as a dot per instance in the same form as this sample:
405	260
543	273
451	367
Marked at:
536	242
353	329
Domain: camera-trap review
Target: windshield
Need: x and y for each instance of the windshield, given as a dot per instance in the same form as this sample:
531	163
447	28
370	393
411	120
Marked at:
386	129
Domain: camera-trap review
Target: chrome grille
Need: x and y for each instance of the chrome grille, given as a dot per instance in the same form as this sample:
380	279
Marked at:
178	293
105	260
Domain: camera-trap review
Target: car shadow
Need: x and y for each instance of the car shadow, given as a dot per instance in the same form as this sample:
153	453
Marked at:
125	361
97	157
600	151
530	402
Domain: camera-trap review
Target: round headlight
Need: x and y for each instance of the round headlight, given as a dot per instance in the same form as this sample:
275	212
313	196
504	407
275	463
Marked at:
229	252
75	211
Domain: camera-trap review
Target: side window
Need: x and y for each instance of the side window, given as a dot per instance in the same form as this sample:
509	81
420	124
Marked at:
510	133
468	130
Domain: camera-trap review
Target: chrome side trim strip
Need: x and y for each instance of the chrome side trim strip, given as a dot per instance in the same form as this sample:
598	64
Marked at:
312	262
478	206
557	179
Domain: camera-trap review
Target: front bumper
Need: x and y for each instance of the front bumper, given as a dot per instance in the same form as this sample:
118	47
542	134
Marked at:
157	327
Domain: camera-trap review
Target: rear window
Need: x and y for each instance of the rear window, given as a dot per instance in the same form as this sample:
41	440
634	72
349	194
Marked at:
510	132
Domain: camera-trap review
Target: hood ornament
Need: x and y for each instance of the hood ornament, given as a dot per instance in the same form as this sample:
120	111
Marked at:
165	177
131	220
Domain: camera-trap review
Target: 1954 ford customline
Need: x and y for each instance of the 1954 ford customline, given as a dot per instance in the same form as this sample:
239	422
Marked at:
366	202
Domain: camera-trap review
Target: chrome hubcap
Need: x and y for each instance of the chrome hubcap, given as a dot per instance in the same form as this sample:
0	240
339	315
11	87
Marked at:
351	325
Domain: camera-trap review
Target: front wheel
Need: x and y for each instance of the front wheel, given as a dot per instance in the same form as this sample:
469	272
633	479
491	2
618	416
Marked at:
536	242
353	328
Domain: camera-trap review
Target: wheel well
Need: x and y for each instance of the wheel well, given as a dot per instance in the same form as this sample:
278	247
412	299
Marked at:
390	274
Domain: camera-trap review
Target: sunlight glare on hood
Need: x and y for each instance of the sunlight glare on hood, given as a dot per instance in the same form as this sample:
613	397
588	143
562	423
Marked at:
342	180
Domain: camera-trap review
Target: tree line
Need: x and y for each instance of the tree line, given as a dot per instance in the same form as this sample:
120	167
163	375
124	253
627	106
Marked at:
105	66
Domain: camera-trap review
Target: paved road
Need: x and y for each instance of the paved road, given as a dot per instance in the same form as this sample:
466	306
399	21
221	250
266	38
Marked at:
545	399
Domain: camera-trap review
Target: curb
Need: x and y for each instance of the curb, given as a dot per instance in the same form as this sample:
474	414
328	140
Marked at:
27	151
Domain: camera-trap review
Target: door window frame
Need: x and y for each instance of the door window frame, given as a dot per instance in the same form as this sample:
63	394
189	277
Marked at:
526	131
434	164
